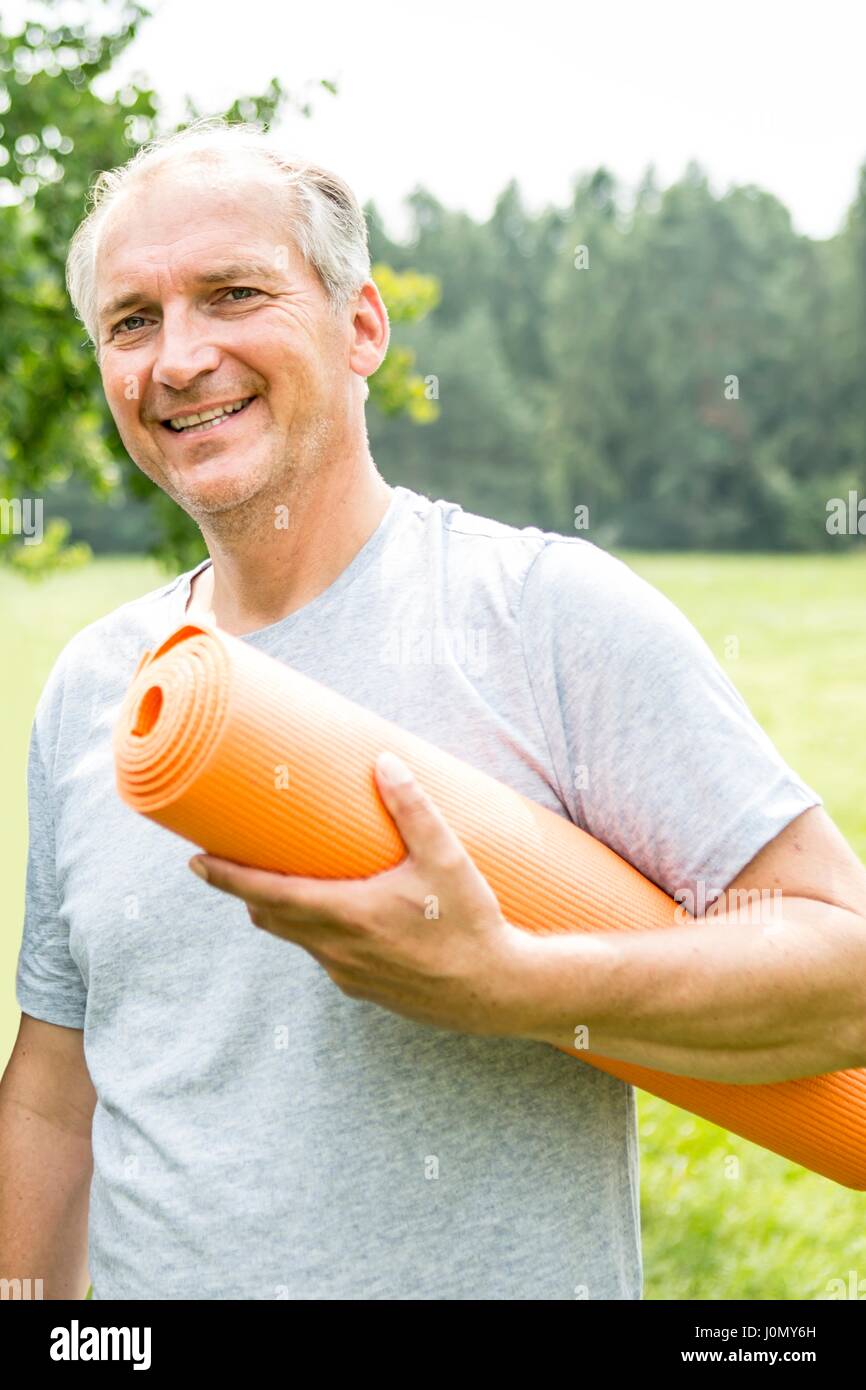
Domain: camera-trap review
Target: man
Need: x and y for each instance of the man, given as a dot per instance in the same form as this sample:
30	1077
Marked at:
379	1114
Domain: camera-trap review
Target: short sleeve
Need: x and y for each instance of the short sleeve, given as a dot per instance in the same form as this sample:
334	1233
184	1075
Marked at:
48	983
655	751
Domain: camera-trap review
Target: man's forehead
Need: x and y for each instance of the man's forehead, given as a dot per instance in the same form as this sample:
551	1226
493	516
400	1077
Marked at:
188	259
164	208
167	217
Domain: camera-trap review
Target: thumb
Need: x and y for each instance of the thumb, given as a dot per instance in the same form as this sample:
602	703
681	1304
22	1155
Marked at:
426	834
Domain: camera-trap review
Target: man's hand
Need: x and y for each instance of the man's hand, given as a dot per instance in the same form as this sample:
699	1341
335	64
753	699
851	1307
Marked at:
425	939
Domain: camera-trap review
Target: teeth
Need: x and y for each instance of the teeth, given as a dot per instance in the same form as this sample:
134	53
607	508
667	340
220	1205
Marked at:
184	422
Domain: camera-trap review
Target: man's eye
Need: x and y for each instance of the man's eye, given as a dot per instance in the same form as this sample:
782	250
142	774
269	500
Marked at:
241	289
118	327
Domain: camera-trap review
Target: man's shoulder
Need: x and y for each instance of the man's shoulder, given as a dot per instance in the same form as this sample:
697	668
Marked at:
447	515
486	541
552	578
563	551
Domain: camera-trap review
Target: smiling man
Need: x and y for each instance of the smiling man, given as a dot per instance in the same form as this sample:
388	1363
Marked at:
236	382
260	1086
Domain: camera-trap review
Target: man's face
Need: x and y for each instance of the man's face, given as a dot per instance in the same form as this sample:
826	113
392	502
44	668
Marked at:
203	300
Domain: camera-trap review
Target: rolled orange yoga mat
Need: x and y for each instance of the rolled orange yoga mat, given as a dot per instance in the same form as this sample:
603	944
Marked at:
255	762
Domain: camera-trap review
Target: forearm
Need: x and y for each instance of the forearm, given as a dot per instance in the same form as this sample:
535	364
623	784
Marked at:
720	999
45	1173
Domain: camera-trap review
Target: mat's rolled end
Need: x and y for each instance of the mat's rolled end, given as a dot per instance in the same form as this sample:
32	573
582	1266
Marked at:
169	717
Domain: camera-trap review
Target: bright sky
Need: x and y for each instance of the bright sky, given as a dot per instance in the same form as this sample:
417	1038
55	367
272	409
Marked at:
462	95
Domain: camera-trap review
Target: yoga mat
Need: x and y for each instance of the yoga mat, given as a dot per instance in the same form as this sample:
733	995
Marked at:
255	762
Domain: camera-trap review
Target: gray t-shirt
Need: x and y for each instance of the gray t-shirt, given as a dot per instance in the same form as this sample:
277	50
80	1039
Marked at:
258	1134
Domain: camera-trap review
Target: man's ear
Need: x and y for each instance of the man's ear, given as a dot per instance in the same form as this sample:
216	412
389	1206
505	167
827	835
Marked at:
371	331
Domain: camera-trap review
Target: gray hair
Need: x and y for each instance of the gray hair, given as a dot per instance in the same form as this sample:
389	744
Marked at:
325	222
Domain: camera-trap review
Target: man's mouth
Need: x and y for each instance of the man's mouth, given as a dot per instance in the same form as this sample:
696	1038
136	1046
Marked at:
205	420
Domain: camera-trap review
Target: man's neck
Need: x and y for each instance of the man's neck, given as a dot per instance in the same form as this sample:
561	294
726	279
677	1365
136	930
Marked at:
269	571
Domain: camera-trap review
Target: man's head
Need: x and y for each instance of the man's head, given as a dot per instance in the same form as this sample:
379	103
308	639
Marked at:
211	271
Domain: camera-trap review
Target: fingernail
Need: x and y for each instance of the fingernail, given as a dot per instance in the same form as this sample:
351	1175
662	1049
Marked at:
198	868
394	769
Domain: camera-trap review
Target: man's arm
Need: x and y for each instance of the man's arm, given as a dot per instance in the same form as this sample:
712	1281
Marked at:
46	1109
752	993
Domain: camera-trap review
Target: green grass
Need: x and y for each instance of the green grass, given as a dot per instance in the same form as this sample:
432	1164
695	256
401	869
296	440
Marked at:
761	1229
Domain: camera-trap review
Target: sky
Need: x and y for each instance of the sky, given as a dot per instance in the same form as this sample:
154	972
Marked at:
462	97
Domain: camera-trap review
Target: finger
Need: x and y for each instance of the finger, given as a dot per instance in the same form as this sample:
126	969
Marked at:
296	898
311	934
424	830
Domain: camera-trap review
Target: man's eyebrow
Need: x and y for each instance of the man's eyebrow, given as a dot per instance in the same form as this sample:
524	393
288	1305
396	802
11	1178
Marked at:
217	275
236	270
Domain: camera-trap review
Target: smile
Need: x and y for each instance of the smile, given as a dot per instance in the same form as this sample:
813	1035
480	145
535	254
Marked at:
206	420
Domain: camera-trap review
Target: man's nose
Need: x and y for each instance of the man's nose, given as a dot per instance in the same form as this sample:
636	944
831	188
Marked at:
184	351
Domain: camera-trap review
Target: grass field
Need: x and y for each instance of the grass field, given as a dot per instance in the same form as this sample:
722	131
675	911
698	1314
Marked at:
790	633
